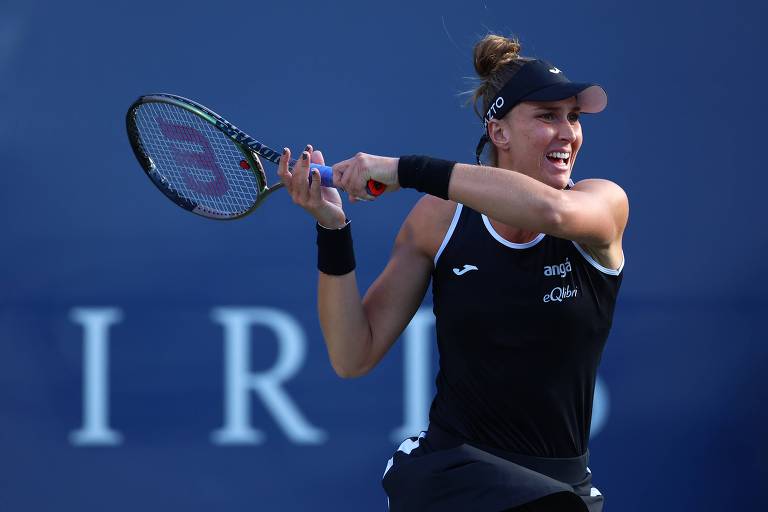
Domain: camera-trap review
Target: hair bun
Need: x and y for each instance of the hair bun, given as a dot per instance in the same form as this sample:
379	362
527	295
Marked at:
493	52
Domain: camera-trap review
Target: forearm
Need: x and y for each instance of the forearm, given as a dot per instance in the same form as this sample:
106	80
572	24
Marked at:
509	197
345	326
359	332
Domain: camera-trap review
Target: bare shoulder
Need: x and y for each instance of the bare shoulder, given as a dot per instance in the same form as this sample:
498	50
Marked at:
427	223
605	188
608	194
610	202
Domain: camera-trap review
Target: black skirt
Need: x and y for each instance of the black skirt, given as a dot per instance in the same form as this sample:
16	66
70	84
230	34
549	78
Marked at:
436	471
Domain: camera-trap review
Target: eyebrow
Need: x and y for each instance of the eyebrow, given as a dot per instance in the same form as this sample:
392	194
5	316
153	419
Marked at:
541	106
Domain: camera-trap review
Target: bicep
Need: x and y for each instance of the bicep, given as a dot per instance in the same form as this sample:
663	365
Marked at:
397	293
593	213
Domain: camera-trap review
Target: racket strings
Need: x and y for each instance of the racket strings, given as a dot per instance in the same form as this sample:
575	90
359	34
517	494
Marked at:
198	161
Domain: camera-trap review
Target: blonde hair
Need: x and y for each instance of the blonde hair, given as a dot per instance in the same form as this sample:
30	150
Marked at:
497	59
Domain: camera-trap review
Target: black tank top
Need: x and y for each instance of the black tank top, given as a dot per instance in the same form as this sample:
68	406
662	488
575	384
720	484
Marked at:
520	332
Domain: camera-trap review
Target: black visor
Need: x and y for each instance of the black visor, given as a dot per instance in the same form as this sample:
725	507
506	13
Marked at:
538	80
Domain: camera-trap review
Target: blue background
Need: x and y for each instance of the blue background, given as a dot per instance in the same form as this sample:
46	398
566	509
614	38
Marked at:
82	227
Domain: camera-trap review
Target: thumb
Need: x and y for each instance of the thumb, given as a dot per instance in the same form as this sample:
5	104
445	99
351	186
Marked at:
338	172
317	157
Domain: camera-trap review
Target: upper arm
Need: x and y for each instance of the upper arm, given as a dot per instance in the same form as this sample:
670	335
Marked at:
593	213
395	296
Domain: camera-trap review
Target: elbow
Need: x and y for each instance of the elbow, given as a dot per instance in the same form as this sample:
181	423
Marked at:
349	372
351	357
344	374
343	371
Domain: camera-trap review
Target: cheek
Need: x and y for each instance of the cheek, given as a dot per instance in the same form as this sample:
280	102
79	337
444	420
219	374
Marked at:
579	138
577	144
540	140
528	150
530	142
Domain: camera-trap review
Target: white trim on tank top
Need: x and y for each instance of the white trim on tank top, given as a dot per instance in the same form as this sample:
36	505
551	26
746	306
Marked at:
506	242
513	245
598	266
448	233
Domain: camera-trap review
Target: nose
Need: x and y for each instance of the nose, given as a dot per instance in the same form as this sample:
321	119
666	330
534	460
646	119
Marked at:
567	131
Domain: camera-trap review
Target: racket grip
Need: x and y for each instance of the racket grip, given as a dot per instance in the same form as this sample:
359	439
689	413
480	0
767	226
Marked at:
326	180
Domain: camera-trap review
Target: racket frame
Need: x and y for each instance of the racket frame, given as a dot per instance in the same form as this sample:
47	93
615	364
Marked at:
248	146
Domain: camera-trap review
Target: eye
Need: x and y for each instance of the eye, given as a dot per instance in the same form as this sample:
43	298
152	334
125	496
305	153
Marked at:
548	116
573	117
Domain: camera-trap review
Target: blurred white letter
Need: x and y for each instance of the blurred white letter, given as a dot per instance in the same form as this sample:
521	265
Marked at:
417	377
238	382
600	407
95	430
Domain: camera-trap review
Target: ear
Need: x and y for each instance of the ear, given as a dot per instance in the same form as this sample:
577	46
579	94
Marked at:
498	133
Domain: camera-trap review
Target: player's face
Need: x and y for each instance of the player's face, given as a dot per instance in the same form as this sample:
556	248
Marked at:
545	138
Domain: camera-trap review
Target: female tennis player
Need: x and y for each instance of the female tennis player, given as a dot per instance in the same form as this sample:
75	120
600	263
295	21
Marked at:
525	269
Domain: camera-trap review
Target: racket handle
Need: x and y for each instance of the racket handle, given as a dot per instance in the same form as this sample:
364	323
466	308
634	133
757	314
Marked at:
326	180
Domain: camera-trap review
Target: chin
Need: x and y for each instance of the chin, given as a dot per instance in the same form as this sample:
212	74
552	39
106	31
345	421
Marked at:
558	181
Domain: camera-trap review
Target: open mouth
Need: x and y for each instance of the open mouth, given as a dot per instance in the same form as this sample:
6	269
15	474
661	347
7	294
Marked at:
559	157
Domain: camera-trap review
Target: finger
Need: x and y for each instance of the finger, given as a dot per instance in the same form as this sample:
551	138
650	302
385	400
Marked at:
301	176
359	179
364	196
337	175
344	174
311	151
314	188
282	168
345	181
282	164
351	182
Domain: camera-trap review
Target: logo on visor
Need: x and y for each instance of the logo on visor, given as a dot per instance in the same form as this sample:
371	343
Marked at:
495	106
555	70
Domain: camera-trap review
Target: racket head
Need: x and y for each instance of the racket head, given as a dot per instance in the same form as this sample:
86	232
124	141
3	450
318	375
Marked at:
191	154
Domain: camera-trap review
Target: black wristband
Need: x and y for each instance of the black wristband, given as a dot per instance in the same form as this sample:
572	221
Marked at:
335	254
425	174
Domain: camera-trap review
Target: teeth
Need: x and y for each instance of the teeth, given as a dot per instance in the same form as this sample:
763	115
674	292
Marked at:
559	154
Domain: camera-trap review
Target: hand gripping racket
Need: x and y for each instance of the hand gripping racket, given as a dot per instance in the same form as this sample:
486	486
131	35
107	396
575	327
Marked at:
202	162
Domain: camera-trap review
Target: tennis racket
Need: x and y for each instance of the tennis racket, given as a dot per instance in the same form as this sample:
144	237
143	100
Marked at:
202	162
